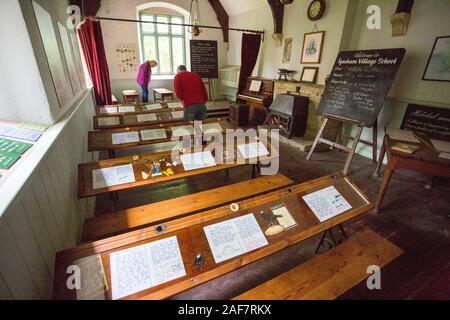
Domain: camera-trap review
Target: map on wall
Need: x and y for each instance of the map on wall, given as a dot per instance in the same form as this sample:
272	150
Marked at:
48	35
70	59
126	57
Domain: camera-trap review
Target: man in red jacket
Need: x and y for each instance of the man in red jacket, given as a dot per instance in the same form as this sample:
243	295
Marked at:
190	89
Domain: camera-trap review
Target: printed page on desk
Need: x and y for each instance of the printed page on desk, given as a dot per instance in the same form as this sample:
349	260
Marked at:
19	133
327	203
114	176
211	128
110	121
146	266
127	109
156	106
107	110
127	137
253	150
156	134
199	160
235	237
147	117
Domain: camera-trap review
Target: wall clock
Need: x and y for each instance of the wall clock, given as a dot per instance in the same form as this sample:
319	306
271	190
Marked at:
316	10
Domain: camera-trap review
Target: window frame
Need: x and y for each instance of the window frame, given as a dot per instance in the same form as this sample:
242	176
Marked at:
156	35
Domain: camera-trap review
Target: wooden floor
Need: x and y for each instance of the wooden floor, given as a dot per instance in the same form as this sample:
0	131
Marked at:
415	219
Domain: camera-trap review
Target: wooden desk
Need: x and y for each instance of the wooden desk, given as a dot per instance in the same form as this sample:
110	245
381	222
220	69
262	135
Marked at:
129	97
85	179
192	239
163	93
102	140
426	160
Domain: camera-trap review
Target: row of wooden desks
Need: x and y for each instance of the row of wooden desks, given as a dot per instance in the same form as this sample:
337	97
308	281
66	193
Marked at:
137	108
192	240
92	176
115	139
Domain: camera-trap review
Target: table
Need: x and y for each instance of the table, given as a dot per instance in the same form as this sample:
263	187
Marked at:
102	140
85	178
130	96
163	93
192	239
426	160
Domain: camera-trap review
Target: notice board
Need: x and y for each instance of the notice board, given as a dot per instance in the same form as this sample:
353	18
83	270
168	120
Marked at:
359	84
204	58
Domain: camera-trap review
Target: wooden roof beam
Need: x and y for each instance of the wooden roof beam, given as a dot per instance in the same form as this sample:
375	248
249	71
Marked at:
223	18
278	15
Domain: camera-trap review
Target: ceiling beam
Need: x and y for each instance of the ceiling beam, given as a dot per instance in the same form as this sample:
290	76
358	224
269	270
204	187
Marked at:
88	7
223	18
278	15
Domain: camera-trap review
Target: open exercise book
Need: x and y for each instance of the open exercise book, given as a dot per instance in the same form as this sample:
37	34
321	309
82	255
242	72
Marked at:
146	266
253	150
199	160
234	237
126	137
327	203
114	176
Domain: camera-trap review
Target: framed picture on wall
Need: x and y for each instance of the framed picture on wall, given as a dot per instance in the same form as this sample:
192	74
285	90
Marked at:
437	68
312	47
287	50
309	75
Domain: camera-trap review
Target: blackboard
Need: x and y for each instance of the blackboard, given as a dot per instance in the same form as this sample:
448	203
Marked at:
204	58
435	122
359	84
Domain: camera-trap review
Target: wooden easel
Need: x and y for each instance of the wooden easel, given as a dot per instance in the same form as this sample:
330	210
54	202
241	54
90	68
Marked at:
338	142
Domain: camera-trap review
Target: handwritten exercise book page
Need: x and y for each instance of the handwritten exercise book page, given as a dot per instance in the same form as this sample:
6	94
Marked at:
182	131
146	266
234	237
107	110
253	150
327	203
110	121
114	176
199	160
126	137
155	106
127	109
147	117
156	134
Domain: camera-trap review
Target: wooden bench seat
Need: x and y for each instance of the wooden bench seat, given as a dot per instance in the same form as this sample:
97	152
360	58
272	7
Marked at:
131	219
331	274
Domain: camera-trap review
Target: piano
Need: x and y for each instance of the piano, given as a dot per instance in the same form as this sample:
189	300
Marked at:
257	96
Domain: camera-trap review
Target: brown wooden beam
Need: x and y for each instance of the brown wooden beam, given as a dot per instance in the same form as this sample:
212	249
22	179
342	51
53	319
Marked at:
223	18
278	15
404	6
88	7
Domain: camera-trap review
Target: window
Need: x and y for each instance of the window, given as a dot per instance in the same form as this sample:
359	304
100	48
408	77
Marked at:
163	43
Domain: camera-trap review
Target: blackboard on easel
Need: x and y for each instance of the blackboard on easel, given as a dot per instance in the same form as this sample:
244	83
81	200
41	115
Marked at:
359	84
204	58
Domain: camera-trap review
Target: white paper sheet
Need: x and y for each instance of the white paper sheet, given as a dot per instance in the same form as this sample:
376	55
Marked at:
156	134
402	135
284	217
199	160
178	115
127	109
441	145
146	266
110	121
234	237
255	86
126	137
156	106
93	280
327	203
20	133
183	131
151	117
211	128
253	150
108	110
174	105
113	176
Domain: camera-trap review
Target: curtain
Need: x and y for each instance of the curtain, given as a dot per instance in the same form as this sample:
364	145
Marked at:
250	51
91	39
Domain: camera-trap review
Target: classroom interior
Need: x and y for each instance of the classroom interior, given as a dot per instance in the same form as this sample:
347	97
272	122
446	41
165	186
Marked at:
321	170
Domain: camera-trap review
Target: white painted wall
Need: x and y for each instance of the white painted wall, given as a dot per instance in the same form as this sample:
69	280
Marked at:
126	32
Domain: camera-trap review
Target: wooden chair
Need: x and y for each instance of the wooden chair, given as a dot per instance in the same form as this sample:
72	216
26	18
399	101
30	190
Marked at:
328	276
131	219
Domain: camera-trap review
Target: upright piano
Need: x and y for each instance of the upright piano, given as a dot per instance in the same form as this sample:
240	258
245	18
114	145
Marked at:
257	96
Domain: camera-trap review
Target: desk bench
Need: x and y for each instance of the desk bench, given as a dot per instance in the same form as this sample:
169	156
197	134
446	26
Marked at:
131	219
331	274
163	93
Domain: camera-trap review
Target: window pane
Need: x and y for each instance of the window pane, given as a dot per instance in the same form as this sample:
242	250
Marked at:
177	30
148	27
164	55
177	53
162	28
150	49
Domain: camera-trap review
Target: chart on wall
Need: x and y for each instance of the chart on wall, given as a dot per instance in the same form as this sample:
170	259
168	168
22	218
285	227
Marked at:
77	54
48	35
359	84
126	57
204	58
70	59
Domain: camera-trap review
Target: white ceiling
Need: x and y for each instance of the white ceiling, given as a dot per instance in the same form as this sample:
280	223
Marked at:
236	7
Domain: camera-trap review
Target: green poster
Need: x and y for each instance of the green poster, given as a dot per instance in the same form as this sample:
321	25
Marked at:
8	159
8	146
